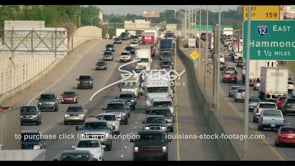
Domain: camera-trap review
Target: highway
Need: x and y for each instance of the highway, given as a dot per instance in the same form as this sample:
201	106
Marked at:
189	119
283	153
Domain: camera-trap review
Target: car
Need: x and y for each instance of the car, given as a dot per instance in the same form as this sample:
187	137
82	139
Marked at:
125	36
30	114
112	120
134	43
92	145
256	84
263	105
108	56
232	90
253	101
222	58
48	102
120	108
150	145
130	49
166	65
169	117
101	65
271	119
230	68
222	65
288	105
290	86
125	56
85	81
161	102
110	47
117	40
130	97
155	122
230	76
69	97
240	95
94	128
32	139
285	135
280	100
75	114
76	155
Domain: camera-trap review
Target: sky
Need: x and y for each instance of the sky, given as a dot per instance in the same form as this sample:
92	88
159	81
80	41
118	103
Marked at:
137	9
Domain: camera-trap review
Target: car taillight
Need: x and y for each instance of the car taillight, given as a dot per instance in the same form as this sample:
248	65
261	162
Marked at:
257	110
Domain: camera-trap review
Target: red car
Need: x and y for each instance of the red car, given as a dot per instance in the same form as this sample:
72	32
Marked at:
285	135
69	97
230	76
280	101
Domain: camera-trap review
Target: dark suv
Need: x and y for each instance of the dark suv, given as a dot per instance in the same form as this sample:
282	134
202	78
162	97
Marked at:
32	139
130	97
97	129
169	117
85	81
30	114
288	105
120	108
150	145
48	102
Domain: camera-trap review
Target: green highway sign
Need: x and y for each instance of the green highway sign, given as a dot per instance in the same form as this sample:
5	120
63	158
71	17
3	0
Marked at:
270	40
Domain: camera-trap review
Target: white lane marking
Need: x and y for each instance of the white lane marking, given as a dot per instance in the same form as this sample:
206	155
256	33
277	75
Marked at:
116	82
58	80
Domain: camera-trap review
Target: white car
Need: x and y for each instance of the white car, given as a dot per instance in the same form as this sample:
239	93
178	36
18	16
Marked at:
290	86
112	120
125	56
92	145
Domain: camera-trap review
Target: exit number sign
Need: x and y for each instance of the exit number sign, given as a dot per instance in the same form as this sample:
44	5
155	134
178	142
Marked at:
259	12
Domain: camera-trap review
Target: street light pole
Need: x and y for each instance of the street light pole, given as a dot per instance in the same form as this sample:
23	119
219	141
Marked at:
218	62
206	47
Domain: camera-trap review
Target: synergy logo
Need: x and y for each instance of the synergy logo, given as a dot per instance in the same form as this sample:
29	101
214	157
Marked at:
161	74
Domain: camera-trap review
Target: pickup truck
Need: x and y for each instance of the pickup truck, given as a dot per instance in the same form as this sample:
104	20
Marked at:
271	119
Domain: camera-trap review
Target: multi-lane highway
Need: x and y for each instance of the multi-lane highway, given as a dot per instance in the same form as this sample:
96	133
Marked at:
189	119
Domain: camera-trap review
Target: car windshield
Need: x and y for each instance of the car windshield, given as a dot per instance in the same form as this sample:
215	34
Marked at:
143	60
291	101
108	53
69	93
85	77
288	129
125	53
229	72
128	85
74	157
234	88
95	125
125	96
47	97
272	113
100	63
267	106
154	120
157	90
109	117
28	110
165	113
254	99
162	104
115	106
75	109
88	143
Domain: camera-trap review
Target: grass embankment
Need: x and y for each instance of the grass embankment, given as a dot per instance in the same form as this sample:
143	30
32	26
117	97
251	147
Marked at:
291	65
